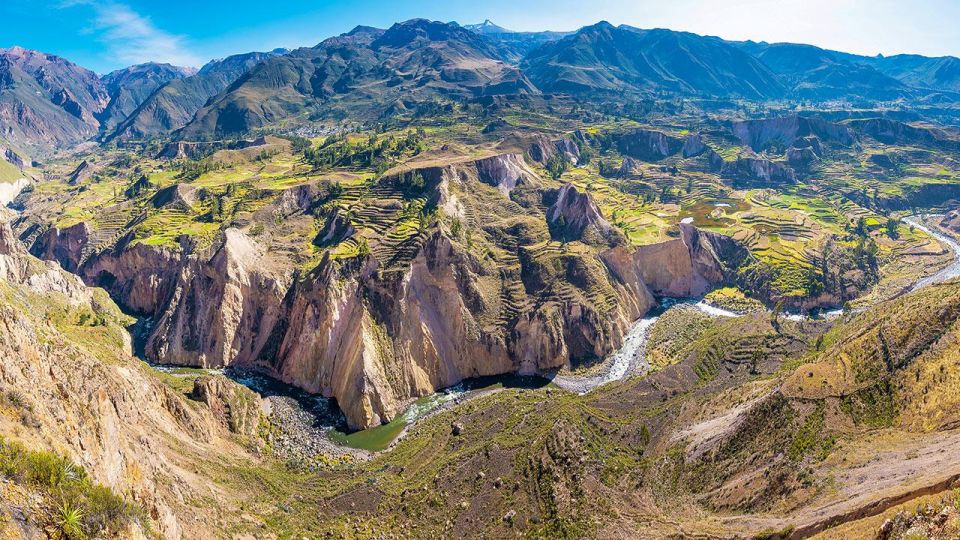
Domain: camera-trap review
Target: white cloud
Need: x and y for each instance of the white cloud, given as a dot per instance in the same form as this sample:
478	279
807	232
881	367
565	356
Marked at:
131	38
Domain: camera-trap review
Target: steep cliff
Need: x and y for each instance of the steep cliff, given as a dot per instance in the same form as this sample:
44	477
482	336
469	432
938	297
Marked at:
510	278
752	169
505	172
685	267
651	145
782	132
65	246
542	149
574	216
220	307
79	393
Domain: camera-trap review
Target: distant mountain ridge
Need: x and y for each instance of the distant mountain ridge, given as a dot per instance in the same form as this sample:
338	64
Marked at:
621	58
48	102
129	87
174	104
376	70
521	43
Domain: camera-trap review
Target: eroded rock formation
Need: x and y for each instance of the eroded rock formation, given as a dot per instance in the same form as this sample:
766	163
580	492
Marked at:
105	411
751	168
573	215
782	132
375	331
652	145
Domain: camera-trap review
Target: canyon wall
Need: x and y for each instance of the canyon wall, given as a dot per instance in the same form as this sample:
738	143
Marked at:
374	333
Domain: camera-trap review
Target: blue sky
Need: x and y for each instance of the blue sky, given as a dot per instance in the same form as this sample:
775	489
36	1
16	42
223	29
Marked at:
107	34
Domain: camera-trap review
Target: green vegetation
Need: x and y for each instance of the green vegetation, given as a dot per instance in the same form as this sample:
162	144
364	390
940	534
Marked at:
75	506
9	172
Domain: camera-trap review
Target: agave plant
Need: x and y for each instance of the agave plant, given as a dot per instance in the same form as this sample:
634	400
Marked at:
70	521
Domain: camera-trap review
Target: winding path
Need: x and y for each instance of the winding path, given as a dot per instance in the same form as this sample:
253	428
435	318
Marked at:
631	357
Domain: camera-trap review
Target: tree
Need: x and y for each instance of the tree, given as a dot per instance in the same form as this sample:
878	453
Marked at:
363	248
861	229
425	220
557	165
892	228
775	315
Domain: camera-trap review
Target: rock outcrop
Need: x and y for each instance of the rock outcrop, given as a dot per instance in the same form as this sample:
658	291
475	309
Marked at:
65	246
140	278
630	168
753	169
337	229
236	407
951	221
574	216
542	149
693	145
9	191
187	150
179	196
893	132
83	171
684	267
13	158
505	172
651	145
220	308
804	152
770	133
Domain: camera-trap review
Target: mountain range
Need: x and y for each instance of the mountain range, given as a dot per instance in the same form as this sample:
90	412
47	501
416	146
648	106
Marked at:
369	73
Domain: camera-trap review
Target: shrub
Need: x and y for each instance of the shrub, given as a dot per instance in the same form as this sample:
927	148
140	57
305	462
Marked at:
85	509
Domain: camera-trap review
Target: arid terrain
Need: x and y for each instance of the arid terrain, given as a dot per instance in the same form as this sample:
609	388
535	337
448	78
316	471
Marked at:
443	281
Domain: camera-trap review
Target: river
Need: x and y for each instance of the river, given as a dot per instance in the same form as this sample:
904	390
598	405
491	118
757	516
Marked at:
630	359
952	270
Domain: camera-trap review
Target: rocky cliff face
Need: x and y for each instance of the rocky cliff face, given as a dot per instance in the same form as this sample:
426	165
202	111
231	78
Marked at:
375	331
685	267
765	133
505	172
651	145
951	221
542	149
221	308
13	158
65	246
892	132
102	409
573	216
753	169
